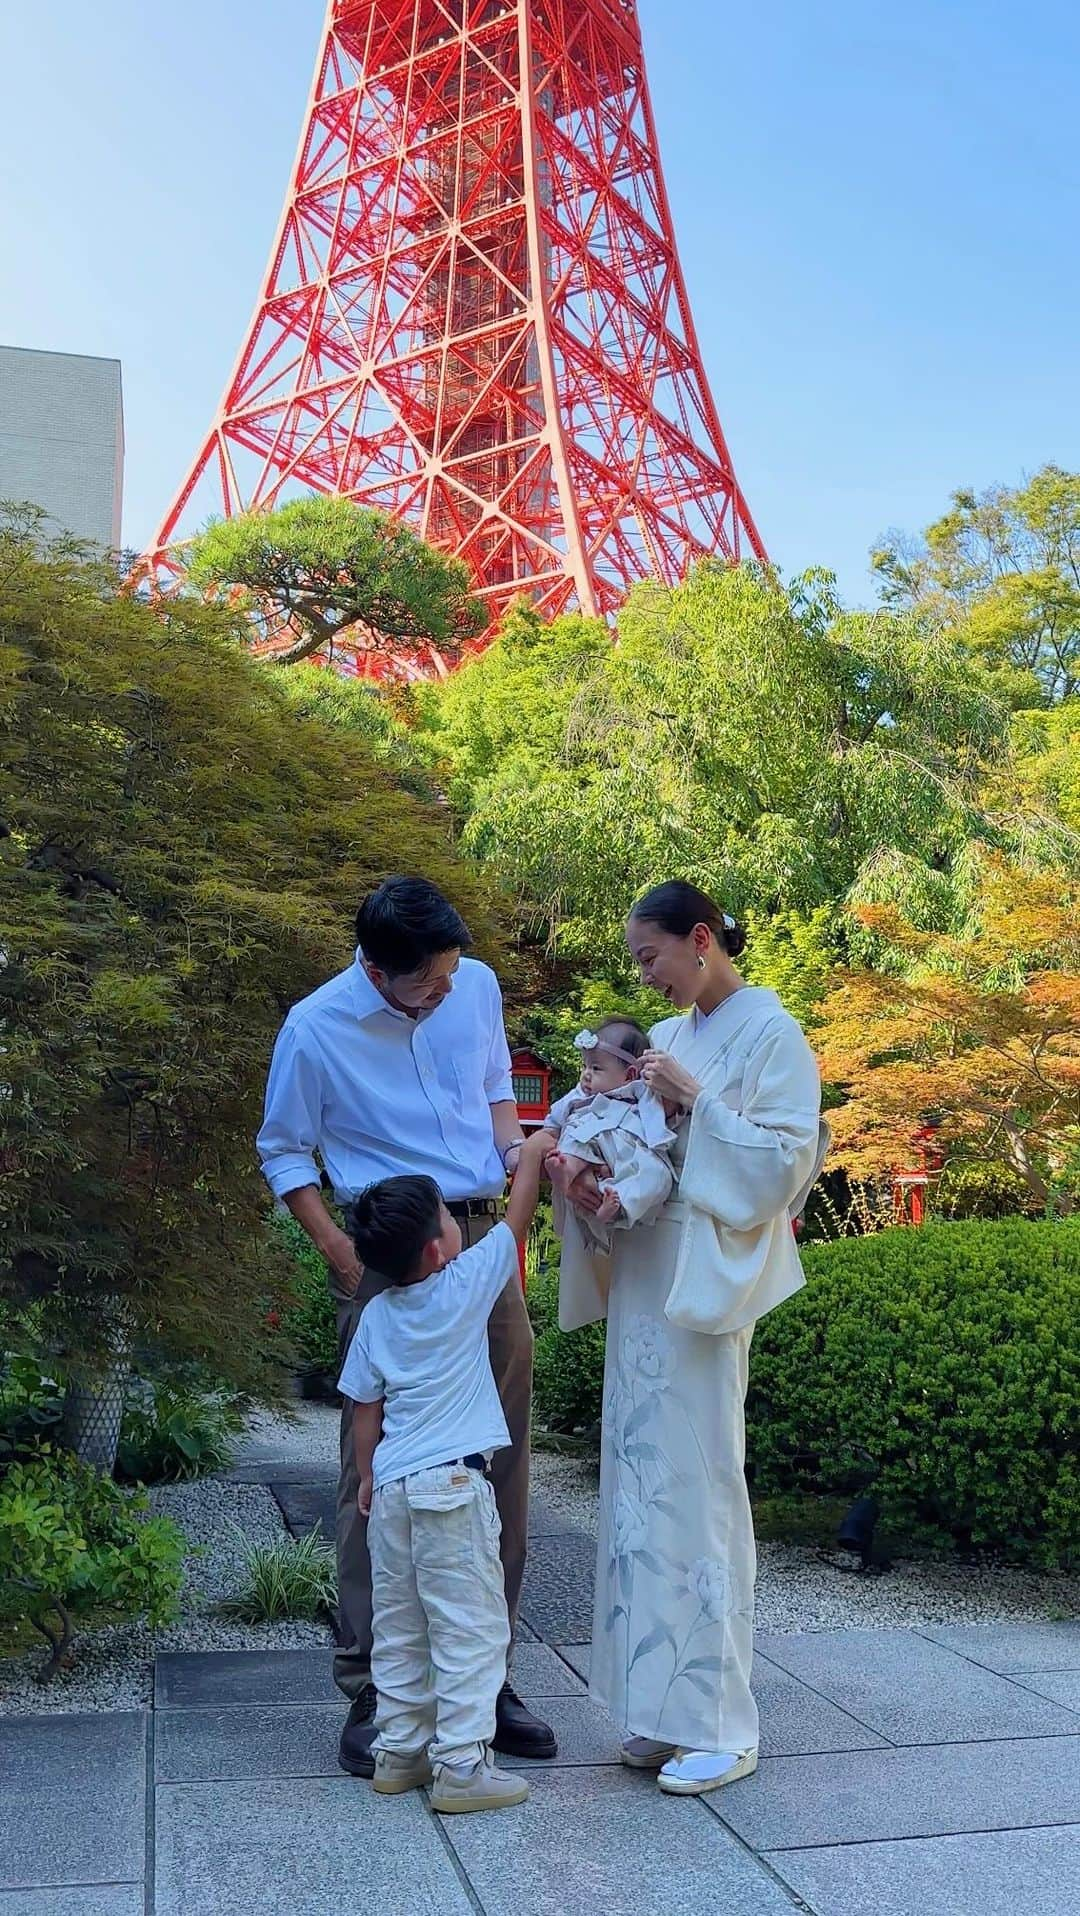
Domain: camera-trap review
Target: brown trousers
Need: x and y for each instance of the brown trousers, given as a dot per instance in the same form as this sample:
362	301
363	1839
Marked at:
510	1342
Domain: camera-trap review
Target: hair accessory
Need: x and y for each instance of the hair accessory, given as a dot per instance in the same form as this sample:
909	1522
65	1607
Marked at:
588	1041
729	922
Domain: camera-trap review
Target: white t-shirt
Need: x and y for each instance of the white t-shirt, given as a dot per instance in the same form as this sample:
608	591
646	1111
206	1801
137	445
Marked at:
423	1348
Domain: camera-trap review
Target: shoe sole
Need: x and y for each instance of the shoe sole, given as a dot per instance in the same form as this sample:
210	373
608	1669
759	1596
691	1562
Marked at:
357	1766
465	1805
676	1786
533	1753
399	1786
646	1762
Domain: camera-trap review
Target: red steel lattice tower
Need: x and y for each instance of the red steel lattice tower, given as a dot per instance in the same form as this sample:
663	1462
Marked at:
474	315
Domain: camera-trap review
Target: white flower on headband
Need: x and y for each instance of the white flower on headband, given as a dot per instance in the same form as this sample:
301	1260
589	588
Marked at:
729	922
586	1041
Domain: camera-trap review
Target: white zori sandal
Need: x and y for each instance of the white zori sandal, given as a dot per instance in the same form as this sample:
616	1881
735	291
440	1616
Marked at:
694	1772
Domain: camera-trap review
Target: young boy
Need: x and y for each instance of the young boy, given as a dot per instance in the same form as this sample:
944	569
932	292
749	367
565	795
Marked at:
427	1419
612	1125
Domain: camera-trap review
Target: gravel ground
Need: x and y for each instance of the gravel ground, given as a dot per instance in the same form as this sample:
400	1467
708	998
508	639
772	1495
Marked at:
800	1589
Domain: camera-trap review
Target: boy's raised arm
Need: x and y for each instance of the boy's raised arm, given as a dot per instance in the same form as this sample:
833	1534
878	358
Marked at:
525	1190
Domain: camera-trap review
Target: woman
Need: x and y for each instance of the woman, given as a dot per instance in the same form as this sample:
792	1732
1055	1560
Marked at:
673	1622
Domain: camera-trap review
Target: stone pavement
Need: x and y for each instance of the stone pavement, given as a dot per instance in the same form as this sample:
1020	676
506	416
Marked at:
927	1773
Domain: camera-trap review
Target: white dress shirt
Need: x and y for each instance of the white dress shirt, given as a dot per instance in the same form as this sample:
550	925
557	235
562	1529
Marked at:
379	1094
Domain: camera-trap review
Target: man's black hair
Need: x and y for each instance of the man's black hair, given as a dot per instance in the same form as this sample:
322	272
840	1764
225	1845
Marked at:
392	1222
406	922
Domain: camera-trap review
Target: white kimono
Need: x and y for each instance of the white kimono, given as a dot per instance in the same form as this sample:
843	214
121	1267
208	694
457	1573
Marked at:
626	1135
673	1624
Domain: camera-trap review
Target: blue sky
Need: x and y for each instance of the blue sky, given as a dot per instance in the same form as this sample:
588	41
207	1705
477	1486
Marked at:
876	208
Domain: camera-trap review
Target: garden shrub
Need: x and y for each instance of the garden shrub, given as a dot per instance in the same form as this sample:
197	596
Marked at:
311	1324
948	1355
176	1431
71	1542
951	1356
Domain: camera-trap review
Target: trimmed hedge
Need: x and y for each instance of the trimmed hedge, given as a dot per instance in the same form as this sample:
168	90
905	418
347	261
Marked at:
950	1355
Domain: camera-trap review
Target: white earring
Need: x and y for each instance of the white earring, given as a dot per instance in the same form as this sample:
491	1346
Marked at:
700	962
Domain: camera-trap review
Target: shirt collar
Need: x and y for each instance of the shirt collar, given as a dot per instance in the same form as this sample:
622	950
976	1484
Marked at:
367	1000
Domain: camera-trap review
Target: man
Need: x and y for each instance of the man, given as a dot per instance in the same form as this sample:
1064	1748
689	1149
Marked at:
400	1064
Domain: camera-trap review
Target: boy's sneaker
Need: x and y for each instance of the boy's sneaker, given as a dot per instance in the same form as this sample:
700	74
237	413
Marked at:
456	1792
396	1772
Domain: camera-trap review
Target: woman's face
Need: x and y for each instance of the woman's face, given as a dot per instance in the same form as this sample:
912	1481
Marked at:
666	963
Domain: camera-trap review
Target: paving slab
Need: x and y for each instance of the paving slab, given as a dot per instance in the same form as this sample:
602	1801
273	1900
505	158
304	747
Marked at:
585	1734
1061	1686
608	1841
275	1470
805	1802
1004	1873
536	1671
1011	1648
795	1721
197	1746
560	1576
578	1656
103	1899
72	1804
199	1680
307	1847
912	1689
547	1520
307	1506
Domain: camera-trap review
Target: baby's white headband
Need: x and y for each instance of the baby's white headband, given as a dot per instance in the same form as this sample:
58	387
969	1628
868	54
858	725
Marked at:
588	1041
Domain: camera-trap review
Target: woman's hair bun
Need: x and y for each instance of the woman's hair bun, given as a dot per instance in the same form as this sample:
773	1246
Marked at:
734	940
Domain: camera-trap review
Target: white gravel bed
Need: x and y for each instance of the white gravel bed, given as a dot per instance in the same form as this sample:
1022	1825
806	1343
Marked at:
308	1436
800	1589
113	1669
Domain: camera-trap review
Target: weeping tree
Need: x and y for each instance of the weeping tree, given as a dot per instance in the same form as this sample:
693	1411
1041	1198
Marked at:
323	576
182	849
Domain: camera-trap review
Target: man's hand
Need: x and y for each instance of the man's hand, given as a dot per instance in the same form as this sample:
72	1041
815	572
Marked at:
363	1496
340	1253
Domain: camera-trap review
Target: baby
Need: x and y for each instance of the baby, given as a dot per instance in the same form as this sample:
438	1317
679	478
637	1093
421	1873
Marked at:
615	1127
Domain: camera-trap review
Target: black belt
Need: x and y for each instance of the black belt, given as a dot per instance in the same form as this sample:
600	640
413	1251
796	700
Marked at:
474	1461
473	1207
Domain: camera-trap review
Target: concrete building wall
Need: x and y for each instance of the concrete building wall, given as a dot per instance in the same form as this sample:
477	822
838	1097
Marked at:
62	439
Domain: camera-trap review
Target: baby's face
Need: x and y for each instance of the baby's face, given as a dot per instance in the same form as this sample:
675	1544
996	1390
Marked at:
604	1072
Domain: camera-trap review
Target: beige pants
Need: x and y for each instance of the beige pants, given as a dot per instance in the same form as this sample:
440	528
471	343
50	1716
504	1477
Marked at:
510	1342
441	1629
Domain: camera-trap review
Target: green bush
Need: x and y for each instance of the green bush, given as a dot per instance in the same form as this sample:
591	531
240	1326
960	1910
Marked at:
71	1542
171	1431
951	1356
31	1404
311	1325
568	1366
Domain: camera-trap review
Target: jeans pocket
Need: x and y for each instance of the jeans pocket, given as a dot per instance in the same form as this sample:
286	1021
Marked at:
448	1487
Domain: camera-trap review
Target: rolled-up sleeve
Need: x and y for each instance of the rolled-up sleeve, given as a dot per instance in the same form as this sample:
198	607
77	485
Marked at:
291	1117
498	1080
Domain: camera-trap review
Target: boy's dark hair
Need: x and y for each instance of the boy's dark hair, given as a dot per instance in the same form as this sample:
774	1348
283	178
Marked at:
392	1221
406	922
624	1033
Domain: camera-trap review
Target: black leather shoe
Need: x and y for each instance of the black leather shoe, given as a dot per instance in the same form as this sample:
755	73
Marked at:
354	1751
517	1731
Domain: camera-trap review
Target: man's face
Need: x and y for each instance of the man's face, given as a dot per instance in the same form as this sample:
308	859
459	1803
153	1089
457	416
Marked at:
422	990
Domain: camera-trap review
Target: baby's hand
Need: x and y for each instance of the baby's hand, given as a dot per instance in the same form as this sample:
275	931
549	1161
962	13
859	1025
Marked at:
610	1205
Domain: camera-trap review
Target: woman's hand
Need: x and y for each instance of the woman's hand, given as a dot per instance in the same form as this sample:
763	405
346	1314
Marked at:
668	1079
585	1194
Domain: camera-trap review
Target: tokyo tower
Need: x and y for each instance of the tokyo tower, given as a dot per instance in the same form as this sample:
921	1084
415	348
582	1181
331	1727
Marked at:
474	316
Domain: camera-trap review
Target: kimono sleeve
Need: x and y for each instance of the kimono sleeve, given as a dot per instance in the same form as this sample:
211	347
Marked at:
745	1167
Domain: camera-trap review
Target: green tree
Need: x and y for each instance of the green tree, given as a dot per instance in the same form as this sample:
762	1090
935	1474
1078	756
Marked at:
182	851
752	738
1003	568
325	576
